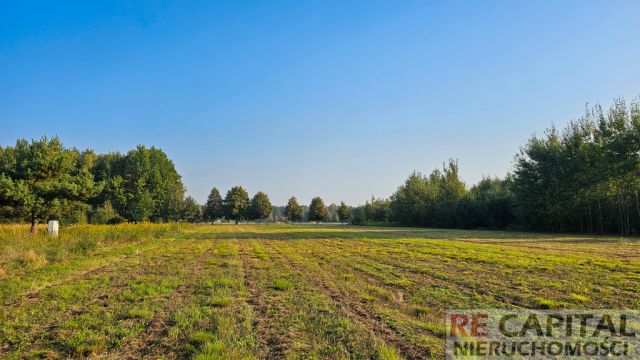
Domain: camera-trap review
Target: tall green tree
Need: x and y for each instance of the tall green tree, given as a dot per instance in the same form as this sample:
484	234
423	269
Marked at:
213	208
42	178
585	178
451	189
154	187
141	185
109	169
236	203
332	213
317	210
489	204
260	207
430	200
409	203
344	212
293	211
141	206
191	210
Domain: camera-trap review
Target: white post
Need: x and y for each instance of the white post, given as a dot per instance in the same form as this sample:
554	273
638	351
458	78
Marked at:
53	227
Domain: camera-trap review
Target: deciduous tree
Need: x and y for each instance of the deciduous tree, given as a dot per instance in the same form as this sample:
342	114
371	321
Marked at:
213	207
344	212
260	207
191	210
235	204
142	185
317	210
293	211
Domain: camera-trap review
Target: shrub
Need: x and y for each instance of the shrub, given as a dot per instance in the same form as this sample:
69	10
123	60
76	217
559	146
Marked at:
104	214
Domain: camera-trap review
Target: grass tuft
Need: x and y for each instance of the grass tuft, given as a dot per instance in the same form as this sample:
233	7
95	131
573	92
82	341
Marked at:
281	285
543	303
386	352
220	301
580	298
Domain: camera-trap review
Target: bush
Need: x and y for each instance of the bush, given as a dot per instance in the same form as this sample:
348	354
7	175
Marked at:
75	214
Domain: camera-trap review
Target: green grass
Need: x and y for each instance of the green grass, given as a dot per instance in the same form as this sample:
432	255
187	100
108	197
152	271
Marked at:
285	291
281	285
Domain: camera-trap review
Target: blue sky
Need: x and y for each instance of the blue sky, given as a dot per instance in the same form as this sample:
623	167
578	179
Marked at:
341	99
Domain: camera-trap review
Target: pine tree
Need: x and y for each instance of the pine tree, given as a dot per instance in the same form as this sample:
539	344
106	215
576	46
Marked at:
42	178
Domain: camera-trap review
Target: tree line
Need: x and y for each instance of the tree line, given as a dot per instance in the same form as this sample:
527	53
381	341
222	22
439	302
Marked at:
237	206
41	180
582	179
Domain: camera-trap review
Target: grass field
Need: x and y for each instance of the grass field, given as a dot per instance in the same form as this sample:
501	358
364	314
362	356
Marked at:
285	291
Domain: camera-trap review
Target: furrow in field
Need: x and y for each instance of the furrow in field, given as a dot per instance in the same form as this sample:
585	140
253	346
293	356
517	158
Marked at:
308	322
404	278
295	291
492	278
346	303
29	285
411	274
153	338
100	311
272	340
208	316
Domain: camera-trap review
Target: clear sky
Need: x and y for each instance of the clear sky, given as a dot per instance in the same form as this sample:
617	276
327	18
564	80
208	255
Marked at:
341	99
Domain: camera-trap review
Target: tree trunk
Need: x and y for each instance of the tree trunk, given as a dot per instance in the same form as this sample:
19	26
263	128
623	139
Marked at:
628	218
600	213
34	225
637	208
620	214
581	229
